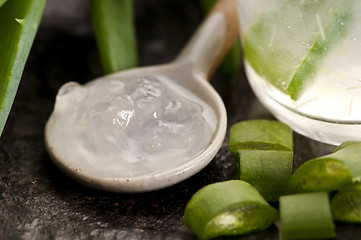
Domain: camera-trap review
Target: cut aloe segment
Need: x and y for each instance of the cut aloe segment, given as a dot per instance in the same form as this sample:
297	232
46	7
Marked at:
260	134
228	208
320	174
346	144
19	21
264	156
287	47
350	155
306	216
267	170
330	172
346	204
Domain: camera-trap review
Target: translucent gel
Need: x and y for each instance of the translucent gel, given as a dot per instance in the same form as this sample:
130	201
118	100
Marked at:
134	126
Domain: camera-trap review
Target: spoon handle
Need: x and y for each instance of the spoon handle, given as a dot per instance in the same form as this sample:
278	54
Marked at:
213	38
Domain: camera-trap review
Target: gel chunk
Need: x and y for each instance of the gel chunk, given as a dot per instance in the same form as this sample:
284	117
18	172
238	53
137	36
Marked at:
134	126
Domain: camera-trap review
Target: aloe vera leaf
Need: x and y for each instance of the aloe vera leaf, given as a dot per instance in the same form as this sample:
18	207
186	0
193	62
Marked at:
228	208
346	204
2	2
306	216
19	21
272	48
229	67
260	134
113	25
267	170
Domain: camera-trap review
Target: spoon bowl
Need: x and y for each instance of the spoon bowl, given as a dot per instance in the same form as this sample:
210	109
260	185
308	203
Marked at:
190	70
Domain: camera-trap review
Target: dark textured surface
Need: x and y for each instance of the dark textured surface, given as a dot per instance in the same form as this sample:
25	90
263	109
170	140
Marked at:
37	201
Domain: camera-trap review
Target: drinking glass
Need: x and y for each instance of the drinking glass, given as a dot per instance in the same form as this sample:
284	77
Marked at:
303	61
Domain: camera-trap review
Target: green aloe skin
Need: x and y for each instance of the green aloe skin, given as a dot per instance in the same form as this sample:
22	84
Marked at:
263	150
114	30
306	216
19	21
346	204
2	2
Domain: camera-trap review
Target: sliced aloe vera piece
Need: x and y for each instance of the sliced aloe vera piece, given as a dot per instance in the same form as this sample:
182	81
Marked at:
346	144
264	156
19	21
330	172
228	208
260	134
287	47
350	155
306	216
346	204
267	170
320	174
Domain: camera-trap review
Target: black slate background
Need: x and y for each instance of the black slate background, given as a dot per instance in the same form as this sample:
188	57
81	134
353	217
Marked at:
37	201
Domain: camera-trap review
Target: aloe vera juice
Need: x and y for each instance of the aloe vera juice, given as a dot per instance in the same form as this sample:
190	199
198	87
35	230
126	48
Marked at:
303	61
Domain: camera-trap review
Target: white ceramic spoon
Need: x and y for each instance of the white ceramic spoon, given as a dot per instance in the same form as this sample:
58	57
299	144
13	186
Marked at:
191	70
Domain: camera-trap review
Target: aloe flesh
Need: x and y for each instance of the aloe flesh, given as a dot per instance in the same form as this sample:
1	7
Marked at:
228	208
260	134
329	173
